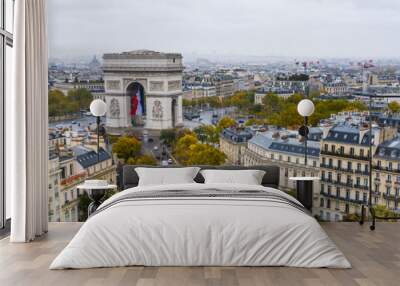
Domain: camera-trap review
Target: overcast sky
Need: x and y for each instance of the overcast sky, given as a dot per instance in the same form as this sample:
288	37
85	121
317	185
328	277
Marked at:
295	28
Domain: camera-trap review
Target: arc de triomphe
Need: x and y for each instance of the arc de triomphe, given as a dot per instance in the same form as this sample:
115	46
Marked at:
143	88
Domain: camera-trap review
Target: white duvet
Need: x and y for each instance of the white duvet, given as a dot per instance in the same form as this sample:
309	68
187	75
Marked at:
202	232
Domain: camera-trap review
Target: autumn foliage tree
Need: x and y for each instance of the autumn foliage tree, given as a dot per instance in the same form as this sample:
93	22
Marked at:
394	107
225	122
127	148
189	151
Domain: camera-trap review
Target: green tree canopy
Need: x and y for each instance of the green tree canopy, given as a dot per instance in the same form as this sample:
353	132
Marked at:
60	104
81	96
168	136
207	133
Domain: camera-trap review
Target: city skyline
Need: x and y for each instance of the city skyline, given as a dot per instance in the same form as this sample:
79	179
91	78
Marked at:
233	28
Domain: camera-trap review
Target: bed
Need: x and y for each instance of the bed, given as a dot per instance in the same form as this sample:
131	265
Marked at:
201	224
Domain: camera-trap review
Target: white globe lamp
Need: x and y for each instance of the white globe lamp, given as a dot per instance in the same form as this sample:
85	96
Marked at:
98	107
305	108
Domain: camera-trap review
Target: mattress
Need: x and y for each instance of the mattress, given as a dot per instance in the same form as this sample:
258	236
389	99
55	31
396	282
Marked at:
201	225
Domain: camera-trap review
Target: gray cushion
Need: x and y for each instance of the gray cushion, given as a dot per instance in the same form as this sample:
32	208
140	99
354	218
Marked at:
130	178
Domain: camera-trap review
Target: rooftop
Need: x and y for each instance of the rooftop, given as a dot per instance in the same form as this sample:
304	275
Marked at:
142	54
286	144
237	135
89	159
389	149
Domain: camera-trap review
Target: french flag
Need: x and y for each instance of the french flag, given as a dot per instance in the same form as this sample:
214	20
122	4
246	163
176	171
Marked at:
137	107
139	110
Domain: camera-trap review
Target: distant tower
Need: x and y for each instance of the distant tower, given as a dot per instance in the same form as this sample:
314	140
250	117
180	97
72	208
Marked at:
94	64
143	88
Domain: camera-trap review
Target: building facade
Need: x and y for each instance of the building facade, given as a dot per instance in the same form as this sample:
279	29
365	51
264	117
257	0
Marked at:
274	148
67	172
233	142
345	169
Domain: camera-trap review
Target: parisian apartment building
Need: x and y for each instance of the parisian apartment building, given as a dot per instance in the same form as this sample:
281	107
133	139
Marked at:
71	162
337	155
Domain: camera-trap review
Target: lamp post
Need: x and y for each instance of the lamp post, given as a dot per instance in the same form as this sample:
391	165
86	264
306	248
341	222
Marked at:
98	108
305	108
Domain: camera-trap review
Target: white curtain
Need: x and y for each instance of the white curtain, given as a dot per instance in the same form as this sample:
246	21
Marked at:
26	120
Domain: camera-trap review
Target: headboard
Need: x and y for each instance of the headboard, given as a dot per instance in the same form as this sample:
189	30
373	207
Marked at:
130	178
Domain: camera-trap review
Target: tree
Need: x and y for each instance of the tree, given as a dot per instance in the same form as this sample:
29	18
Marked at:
383	211
225	122
81	96
126	147
77	99
207	133
168	136
204	154
146	159
394	107
182	147
253	121
272	103
189	151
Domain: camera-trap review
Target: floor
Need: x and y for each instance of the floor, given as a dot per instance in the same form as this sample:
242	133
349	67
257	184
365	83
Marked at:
375	257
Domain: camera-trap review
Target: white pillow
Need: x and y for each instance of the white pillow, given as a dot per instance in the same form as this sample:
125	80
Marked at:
166	176
248	177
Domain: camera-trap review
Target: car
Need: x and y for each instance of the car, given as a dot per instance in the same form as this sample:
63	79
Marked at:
74	122
170	161
151	140
155	148
164	163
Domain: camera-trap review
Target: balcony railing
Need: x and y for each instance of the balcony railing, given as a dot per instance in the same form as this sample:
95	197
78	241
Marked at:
343	155
386	169
345	199
391	197
361	172
327	166
73	179
335	182
362	187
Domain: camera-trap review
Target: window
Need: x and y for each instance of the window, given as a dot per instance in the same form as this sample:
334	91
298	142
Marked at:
352	151
347	208
347	194
6	43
